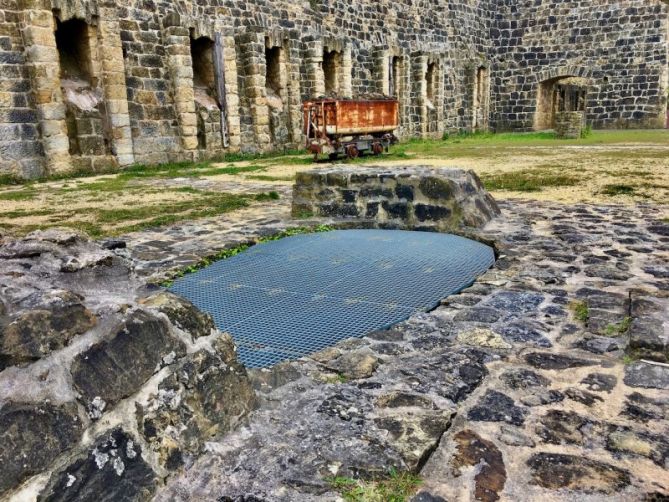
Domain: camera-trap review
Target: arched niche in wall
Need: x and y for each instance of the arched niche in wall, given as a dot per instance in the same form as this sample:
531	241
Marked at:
337	68
566	93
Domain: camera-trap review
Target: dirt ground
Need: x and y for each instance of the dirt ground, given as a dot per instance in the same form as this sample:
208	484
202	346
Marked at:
620	172
607	167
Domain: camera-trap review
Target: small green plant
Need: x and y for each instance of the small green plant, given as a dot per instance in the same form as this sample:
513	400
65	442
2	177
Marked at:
303	215
620	328
630	358
396	487
267	196
617	190
586	132
334	378
581	311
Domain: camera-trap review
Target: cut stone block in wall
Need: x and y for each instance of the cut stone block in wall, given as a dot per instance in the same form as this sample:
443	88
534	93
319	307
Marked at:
404	197
569	125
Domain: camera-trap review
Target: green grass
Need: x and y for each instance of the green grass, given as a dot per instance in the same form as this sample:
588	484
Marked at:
267	196
24	213
581	311
452	146
396	487
18	195
527	180
105	222
617	189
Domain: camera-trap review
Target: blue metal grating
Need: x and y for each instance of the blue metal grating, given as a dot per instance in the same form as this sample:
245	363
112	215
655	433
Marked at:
288	298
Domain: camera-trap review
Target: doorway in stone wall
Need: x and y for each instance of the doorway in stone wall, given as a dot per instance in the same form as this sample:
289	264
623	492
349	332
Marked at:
276	92
560	94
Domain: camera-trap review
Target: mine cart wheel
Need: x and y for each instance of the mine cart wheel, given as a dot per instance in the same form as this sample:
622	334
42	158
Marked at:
377	148
352	152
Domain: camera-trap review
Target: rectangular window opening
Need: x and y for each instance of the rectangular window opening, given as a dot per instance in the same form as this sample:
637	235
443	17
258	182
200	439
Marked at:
74	51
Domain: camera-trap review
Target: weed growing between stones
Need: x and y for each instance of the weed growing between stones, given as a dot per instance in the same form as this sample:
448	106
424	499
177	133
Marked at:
397	487
581	311
620	328
230	252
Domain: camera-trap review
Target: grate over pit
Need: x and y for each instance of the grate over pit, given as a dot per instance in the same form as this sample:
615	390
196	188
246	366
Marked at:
285	299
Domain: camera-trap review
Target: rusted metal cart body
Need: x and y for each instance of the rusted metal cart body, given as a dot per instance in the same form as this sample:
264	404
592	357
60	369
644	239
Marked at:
350	127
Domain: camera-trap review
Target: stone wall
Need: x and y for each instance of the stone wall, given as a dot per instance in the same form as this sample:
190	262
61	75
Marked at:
619	46
416	198
105	387
461	64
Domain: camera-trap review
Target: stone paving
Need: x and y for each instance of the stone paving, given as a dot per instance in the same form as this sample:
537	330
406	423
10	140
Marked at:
546	379
157	252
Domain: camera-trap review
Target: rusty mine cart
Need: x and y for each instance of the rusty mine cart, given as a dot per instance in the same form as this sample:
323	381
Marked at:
350	127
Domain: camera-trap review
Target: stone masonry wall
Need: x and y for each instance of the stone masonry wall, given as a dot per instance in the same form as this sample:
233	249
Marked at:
484	59
619	46
415	198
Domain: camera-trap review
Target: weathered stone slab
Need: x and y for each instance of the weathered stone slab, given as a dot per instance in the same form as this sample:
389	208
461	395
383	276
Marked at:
557	471
649	328
116	368
406	197
113	470
650	376
474	451
207	395
49	322
182	313
32	436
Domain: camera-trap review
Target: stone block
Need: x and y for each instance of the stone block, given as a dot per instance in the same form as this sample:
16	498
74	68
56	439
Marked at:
49	323
32	436
114	466
116	368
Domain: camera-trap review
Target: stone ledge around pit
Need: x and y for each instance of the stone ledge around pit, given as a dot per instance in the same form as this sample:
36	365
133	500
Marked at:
417	197
106	386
